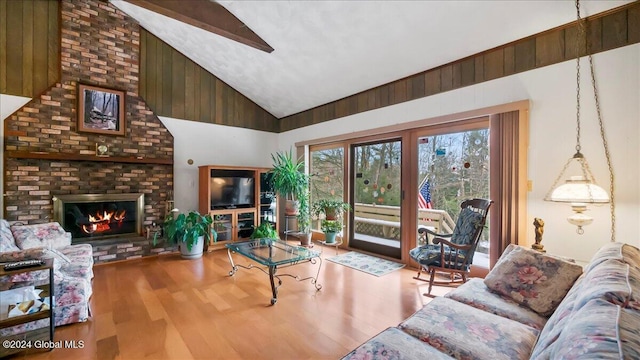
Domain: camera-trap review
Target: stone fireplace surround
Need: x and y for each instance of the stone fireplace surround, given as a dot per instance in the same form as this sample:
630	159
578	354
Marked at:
45	155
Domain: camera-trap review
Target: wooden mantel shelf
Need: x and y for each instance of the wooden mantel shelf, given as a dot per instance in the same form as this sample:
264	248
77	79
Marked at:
83	157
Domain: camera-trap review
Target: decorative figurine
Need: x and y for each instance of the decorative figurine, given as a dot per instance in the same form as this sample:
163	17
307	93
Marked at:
539	225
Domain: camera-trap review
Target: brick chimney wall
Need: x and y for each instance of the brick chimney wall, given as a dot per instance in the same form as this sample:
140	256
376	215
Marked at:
100	47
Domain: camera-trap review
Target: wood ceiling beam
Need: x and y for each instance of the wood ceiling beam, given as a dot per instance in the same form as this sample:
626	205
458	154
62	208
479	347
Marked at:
206	15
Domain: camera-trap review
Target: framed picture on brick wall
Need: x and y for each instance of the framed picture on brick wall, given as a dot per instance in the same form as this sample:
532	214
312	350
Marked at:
100	110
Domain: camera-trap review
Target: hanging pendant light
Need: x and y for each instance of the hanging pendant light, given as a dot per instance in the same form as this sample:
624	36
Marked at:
581	189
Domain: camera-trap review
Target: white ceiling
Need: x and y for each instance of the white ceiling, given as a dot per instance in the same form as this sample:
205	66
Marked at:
327	50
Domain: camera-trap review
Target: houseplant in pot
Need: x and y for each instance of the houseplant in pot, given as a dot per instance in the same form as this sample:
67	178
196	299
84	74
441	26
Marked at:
331	228
332	209
189	232
264	230
288	180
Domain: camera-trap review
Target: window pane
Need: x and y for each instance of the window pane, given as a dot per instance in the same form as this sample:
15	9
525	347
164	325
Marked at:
327	176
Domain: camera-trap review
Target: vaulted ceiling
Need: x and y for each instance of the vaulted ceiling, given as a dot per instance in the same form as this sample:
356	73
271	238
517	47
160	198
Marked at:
327	50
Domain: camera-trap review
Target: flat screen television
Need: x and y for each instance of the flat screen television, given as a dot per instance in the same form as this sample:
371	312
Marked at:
232	189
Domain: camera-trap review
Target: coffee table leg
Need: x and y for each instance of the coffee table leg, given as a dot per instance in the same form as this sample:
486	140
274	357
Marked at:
274	289
234	268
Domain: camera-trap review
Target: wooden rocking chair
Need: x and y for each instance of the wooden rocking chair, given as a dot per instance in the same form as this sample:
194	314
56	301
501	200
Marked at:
454	256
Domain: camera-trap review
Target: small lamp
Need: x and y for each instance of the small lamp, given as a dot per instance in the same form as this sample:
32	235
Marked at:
582	189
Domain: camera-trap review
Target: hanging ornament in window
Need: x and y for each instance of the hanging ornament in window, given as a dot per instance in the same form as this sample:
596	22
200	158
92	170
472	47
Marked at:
467	165
366	182
326	179
386	165
375	193
380	200
365	190
382	190
375	186
389	186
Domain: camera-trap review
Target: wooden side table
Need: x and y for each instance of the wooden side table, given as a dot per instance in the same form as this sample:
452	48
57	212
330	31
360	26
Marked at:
26	340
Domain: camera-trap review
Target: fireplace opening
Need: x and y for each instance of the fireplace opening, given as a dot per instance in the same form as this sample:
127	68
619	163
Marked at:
99	216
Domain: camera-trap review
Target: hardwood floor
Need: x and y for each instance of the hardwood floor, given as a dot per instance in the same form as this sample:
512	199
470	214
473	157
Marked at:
169	308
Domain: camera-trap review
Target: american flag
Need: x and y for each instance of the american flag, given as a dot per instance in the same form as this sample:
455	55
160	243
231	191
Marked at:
424	196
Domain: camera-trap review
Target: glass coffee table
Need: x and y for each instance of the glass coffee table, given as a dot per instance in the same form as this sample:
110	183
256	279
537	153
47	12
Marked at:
274	254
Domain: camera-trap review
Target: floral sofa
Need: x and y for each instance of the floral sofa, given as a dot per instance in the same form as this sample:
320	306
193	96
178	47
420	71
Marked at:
73	270
530	306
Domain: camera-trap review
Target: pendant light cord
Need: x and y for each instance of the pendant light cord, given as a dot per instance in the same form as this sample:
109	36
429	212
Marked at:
582	36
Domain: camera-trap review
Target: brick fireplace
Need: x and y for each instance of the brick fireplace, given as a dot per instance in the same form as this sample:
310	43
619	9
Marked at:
46	157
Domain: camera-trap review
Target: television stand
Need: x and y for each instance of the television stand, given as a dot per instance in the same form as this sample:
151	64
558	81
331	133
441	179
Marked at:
233	221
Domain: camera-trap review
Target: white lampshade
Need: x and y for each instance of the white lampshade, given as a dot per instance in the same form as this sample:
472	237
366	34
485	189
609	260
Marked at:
578	190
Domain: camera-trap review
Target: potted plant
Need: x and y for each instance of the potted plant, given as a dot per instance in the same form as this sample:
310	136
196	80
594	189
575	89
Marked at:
332	209
189	232
288	180
264	230
330	229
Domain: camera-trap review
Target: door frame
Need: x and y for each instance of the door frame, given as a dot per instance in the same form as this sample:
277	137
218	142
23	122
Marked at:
375	248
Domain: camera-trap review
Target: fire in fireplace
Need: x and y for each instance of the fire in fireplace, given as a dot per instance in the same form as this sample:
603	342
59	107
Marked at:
97	216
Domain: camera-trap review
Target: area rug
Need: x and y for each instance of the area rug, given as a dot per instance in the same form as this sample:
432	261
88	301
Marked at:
366	263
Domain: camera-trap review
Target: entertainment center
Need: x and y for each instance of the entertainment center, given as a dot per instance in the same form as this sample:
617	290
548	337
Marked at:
238	199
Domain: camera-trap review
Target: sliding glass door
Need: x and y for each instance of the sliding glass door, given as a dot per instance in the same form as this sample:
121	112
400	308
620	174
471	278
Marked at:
376	177
453	167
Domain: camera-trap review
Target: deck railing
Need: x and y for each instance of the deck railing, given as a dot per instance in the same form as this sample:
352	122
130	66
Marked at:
384	220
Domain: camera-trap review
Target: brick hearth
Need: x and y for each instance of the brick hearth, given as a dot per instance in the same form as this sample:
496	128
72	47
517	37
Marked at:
99	47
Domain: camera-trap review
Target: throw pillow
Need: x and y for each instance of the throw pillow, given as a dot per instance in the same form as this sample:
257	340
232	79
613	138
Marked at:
7	243
533	279
49	235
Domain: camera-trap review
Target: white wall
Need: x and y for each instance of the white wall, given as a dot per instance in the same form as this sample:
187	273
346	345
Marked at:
209	144
8	104
551	91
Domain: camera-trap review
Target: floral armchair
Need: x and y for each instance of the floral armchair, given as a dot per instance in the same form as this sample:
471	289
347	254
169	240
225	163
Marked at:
73	270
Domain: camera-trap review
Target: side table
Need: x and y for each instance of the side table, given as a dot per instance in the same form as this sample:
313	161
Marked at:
288	231
30	336
336	243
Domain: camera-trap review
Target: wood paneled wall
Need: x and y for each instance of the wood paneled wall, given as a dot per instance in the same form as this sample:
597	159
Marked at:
608	30
174	86
29	46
